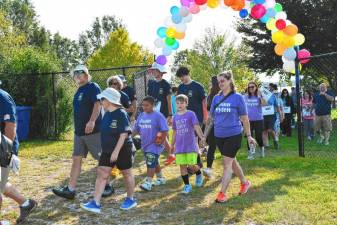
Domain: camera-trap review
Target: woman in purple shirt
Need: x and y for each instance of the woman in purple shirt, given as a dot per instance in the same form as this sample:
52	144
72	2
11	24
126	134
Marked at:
228	113
254	103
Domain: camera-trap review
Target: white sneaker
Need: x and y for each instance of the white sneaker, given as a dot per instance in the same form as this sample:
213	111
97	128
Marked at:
320	141
262	152
208	173
250	156
4	222
326	143
146	186
159	181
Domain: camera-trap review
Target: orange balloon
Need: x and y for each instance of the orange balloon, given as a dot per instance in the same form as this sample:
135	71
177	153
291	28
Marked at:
280	49
291	30
229	2
238	5
179	35
288	41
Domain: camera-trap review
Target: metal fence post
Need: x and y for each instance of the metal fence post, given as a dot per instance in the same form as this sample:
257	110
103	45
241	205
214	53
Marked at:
54	104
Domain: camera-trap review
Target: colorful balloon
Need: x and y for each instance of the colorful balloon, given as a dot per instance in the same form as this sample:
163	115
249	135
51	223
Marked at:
258	11
175	46
304	54
174	10
167	51
299	39
243	13
170	32
291	30
176	18
185	3
184	11
270	4
170	41
288	41
281	24
290	54
159	43
259	1
279	49
264	19
179	35
238	5
271	24
161	32
278	7
200	2
213	3
161	60
271	12
277	37
194	9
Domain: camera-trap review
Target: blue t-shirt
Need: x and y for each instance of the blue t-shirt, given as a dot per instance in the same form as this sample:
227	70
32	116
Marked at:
322	105
8	114
196	94
125	101
159	91
226	116
83	103
113	125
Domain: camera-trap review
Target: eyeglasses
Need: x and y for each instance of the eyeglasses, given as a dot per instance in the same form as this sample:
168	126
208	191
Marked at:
79	72
113	83
102	99
251	87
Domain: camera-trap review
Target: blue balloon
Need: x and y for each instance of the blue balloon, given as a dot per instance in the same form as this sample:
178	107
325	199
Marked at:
167	51
175	46
259	1
271	12
174	10
243	13
162	32
290	54
176	18
264	19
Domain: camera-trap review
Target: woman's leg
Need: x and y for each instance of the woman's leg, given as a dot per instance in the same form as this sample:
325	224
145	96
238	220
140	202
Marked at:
227	173
129	182
103	173
211	149
259	132
238	171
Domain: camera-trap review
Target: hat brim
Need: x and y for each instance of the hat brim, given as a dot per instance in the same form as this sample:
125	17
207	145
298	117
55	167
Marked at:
153	68
100	96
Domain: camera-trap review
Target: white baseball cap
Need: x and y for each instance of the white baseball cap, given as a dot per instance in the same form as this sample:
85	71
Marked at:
112	95
81	68
156	66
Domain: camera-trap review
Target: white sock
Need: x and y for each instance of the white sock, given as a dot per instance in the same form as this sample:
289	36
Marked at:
149	179
159	175
25	204
70	188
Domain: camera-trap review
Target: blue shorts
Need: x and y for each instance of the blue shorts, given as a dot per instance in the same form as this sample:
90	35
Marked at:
152	160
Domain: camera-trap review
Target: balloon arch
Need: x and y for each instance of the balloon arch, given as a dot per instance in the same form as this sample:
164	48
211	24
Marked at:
284	34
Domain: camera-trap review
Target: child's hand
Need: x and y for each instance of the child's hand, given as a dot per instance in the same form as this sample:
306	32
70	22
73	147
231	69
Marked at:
203	142
159	138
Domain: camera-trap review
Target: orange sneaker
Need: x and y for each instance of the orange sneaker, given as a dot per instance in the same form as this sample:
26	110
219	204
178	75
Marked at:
221	198
245	187
170	160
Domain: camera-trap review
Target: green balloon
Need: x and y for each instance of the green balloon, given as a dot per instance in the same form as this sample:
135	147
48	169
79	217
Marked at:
278	7
170	41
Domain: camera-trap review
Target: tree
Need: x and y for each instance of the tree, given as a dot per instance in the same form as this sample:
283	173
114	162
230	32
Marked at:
314	19
212	54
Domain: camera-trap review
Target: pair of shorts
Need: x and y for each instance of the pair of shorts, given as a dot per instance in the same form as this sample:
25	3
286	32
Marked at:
151	159
323	123
229	146
269	122
88	143
190	158
124	159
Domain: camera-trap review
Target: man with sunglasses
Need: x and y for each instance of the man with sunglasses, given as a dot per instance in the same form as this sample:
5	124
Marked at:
87	120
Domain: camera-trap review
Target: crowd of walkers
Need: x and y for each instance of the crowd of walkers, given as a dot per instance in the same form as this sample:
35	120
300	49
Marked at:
107	125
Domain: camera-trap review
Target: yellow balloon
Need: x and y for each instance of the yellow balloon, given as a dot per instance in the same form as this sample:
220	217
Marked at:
288	41
299	39
271	24
213	3
277	37
170	32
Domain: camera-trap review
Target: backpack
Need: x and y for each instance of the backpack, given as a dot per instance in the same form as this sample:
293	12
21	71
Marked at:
6	151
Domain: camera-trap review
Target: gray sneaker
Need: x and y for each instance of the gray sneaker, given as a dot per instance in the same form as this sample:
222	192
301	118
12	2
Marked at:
26	211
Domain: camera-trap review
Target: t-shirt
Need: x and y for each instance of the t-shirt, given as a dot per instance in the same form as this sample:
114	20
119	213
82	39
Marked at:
273	101
113	125
8	114
148	125
196	94
227	115
83	103
125	101
307	109
322	105
185	141
159	91
130	92
254	108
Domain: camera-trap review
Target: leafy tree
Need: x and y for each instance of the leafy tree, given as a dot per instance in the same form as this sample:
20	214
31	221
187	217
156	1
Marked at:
212	54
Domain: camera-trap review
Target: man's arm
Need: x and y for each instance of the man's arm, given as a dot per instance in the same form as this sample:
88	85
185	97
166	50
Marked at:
329	97
10	130
94	115
204	110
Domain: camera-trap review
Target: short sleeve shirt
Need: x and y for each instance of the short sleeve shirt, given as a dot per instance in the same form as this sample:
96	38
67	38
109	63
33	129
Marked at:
159	91
322	105
83	104
196	94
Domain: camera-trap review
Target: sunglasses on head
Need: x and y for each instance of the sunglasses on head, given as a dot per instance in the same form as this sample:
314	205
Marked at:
79	72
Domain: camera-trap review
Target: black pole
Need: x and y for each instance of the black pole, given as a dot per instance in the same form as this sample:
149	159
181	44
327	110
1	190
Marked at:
54	103
299	108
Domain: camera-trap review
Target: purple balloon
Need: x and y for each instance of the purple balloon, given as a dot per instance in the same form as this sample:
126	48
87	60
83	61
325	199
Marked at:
161	60
185	3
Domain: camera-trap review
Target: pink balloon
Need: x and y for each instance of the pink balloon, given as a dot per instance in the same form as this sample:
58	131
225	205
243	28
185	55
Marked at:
304	54
258	11
194	9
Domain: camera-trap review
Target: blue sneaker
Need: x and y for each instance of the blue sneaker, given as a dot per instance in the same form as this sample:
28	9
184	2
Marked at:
199	180
91	207
187	189
128	204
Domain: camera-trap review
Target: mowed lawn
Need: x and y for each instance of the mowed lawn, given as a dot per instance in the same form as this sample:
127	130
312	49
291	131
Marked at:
286	190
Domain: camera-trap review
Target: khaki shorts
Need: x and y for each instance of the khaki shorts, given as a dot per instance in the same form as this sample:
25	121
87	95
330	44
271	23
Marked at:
323	123
88	143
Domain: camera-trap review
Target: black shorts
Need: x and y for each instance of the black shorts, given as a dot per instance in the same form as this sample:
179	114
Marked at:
269	122
229	146
124	160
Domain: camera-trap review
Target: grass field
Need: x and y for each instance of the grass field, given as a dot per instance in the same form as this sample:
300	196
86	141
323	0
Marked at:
286	190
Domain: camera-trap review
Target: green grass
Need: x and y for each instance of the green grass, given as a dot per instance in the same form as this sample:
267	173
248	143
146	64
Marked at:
286	190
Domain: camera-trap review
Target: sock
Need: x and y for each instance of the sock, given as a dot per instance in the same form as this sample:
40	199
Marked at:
198	173
97	203
71	189
185	179
276	139
159	175
149	179
25	204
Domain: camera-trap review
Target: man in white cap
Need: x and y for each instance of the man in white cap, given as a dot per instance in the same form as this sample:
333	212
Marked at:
87	121
160	90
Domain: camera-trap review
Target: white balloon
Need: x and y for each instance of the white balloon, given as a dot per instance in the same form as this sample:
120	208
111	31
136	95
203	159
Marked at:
268	4
167	51
203	7
288	22
289	66
159	43
181	27
188	18
281	15
184	11
168	21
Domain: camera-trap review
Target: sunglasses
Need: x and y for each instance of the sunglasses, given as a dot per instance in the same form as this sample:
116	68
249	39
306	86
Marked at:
79	72
251	87
102	99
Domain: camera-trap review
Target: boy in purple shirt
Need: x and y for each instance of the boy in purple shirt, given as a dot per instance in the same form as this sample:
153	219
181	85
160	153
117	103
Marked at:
153	129
184	142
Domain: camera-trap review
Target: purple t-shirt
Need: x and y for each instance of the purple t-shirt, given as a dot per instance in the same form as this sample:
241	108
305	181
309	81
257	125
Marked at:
254	108
227	115
148	125
185	136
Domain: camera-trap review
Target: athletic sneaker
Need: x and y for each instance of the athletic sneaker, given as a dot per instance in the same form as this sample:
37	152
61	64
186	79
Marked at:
221	198
64	192
108	191
170	160
208	173
25	211
326	143
146	186
187	189
320	140
262	152
91	207
245	187
128	204
199	180
159	181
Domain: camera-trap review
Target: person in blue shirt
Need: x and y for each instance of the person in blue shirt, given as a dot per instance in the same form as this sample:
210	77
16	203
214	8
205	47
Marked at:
132	96
116	145
87	121
8	124
322	104
116	83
